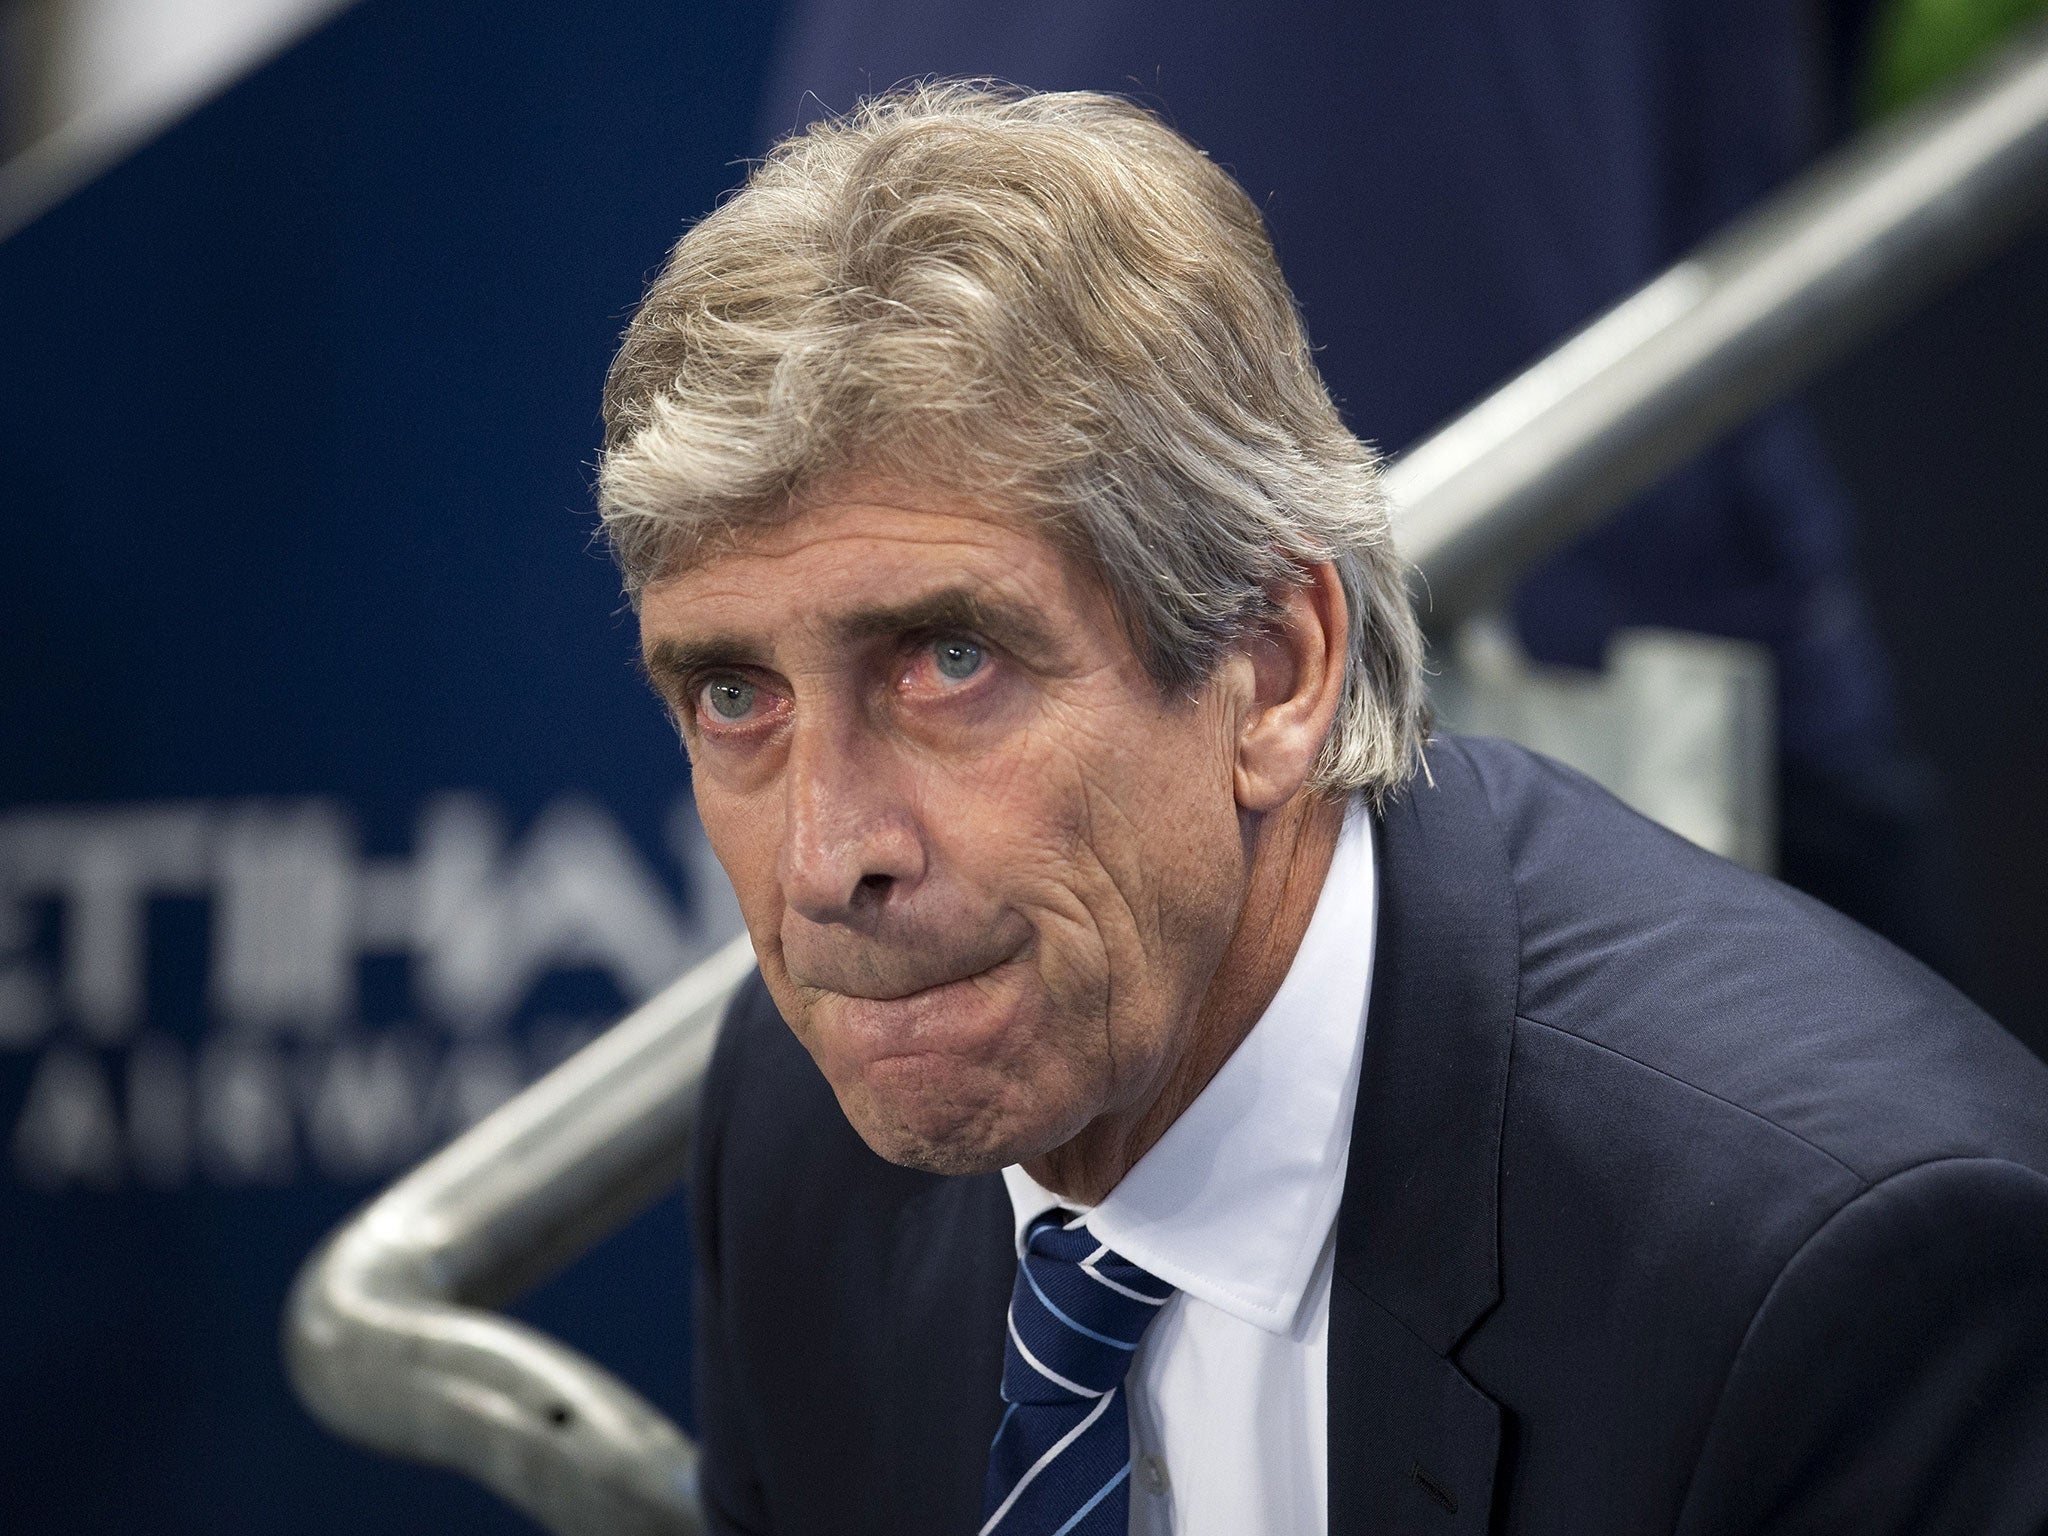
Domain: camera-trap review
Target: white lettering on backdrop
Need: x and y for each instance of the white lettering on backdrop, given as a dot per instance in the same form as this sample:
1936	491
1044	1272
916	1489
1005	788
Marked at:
287	1082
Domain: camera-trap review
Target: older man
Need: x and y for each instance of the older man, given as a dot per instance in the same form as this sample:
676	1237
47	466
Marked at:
1180	1096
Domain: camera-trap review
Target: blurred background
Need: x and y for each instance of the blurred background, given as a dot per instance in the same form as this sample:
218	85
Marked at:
332	809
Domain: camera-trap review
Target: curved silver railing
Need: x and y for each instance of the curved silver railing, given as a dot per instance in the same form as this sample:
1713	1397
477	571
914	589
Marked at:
1742	321
387	1335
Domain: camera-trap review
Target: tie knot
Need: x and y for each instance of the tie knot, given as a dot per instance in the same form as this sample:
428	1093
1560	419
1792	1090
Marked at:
1077	1314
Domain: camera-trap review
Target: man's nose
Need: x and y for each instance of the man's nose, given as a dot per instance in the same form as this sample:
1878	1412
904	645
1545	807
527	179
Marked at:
851	841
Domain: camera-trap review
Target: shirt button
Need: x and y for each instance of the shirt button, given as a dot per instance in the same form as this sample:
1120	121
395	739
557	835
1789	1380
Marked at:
1152	1473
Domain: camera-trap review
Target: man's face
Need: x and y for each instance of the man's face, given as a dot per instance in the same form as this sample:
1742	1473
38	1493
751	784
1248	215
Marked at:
987	868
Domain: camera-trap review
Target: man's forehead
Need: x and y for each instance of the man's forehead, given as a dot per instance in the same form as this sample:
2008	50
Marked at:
871	520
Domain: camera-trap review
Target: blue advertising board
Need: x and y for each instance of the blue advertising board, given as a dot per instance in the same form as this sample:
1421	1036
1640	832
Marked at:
332	808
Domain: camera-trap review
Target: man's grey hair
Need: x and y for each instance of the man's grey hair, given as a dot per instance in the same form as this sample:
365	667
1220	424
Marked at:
1051	302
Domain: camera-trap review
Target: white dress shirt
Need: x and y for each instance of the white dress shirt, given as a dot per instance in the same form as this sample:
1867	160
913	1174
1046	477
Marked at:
1236	1206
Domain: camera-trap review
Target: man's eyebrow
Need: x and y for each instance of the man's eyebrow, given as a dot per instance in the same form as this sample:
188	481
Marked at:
672	660
1016	629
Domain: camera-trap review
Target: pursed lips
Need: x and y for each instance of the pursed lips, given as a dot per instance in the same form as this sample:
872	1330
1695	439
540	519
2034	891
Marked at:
940	1015
905	991
901	966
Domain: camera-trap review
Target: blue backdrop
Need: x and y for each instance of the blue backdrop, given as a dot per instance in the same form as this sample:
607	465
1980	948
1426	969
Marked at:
331	807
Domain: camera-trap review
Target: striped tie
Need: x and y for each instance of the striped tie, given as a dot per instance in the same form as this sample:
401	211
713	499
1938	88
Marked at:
1061	1462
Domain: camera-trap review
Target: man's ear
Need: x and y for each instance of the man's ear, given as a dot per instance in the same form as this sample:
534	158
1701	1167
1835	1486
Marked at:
1297	670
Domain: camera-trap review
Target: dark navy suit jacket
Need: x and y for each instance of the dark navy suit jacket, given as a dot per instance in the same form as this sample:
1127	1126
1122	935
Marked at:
1675	1203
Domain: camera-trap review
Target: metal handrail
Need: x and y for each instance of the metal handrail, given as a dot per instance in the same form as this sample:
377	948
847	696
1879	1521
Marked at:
1742	321
387	1336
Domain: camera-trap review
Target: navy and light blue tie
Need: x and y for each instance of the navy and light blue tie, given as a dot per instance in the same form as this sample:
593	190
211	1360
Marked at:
1061	1462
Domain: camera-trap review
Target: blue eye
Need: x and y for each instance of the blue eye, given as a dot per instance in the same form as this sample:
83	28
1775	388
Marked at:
956	659
730	698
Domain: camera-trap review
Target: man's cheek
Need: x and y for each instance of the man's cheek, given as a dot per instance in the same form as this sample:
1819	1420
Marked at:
745	843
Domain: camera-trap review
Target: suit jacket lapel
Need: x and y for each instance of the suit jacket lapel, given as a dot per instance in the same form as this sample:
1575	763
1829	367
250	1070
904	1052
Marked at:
1414	1446
950	1272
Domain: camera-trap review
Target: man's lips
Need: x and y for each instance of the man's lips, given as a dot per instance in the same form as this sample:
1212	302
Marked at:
892	994
961	1014
900	967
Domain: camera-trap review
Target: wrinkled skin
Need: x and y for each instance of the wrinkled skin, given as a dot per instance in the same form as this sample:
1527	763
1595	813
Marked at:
1018	905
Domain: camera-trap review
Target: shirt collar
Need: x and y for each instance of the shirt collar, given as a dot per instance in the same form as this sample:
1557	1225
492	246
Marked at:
1234	1202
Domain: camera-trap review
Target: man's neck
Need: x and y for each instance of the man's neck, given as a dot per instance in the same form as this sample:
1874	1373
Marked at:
1291	855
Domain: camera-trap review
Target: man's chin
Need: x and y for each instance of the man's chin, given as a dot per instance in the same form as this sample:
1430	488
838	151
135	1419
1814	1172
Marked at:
951	1138
949	1146
952	1160
946	1080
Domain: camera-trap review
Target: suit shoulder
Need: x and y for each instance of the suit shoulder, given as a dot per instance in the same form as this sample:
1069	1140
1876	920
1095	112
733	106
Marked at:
1730	985
1914	1321
758	1065
770	1131
756	1051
